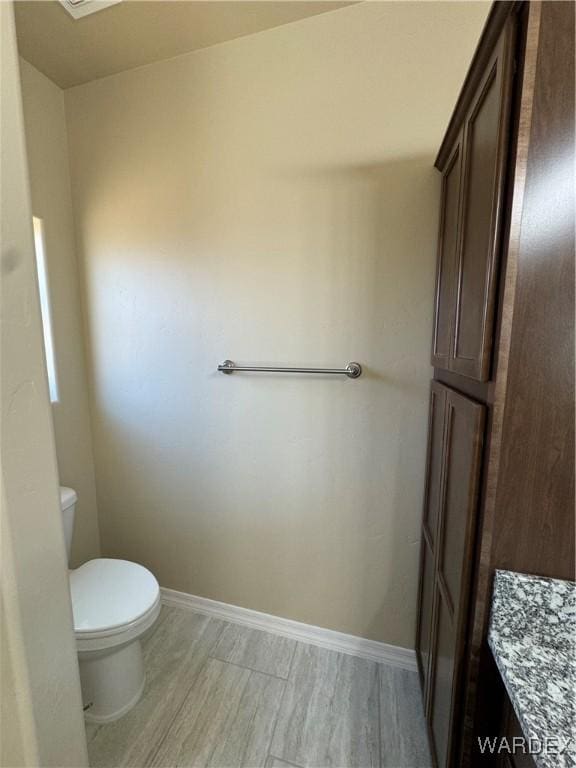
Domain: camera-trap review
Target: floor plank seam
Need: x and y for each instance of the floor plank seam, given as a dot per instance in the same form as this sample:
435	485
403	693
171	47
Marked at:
215	746
248	669
318	712
150	759
379	692
293	657
282	760
281	704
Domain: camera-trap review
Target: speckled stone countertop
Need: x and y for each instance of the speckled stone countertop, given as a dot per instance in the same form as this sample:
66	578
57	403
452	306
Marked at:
532	636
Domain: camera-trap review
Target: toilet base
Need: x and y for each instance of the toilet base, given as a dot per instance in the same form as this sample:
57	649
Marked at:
112	681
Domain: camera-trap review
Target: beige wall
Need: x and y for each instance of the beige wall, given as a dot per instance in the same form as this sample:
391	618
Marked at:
46	141
40	702
271	200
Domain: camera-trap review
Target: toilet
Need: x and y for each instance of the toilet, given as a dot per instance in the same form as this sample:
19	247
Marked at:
114	602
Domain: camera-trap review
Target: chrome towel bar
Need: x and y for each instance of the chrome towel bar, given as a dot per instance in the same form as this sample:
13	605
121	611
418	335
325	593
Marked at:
352	370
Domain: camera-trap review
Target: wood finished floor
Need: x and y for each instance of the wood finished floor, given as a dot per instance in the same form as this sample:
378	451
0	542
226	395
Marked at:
226	696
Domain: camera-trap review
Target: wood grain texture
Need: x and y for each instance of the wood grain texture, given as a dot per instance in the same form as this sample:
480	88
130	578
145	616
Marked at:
530	520
472	201
527	513
499	13
173	655
456	430
446	269
432	492
426	599
536	479
275	762
402	725
486	140
202	711
461	451
226	719
430	522
481	676
483	391
256	650
528	495
329	714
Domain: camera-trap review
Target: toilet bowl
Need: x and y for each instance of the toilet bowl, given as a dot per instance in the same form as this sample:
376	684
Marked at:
114	602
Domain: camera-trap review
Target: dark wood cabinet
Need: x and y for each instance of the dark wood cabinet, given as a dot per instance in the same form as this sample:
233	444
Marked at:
430	526
447	266
456	432
511	730
472	200
500	463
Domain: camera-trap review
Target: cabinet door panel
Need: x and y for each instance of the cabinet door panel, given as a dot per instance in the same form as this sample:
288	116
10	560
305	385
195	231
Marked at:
462	457
434	460
485	144
442	680
456	428
463	442
447	259
424	632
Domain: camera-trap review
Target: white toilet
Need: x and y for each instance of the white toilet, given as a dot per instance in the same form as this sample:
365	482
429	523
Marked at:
114	603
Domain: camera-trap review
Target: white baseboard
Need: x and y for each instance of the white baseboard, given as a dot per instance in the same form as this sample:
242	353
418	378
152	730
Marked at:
394	655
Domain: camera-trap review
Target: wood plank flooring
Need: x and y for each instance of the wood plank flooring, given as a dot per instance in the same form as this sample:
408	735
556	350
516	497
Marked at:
329	714
227	696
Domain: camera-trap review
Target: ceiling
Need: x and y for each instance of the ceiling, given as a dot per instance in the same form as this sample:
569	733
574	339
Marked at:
137	32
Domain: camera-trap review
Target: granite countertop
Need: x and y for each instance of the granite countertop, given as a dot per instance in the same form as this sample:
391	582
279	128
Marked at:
532	636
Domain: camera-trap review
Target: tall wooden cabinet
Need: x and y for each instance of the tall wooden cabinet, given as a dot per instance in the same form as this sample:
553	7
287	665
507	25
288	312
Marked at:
496	274
473	174
472	161
453	476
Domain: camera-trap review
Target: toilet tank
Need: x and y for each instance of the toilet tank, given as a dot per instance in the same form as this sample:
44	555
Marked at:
68	499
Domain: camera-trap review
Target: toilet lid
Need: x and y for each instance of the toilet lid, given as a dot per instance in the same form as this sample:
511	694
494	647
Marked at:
110	593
